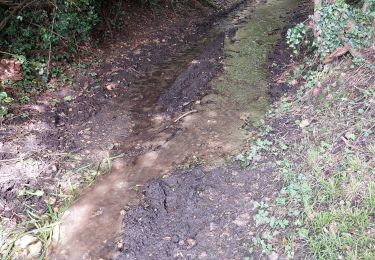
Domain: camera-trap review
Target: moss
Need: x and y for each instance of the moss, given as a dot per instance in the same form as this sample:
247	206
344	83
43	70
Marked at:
245	78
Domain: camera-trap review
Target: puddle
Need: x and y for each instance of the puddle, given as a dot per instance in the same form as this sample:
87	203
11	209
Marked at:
209	134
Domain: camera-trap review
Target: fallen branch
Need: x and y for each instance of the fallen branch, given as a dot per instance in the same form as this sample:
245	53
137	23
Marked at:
185	114
350	48
347	143
336	54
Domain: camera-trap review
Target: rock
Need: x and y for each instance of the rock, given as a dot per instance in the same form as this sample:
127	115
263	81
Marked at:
273	256
36	249
24	241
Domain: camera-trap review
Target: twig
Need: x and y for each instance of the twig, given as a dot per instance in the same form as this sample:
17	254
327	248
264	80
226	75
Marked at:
335	54
350	145
8	53
185	114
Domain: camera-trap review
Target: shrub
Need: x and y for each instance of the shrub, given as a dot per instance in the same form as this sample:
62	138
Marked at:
335	25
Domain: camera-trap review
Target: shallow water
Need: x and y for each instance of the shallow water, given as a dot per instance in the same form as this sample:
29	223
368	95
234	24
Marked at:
210	136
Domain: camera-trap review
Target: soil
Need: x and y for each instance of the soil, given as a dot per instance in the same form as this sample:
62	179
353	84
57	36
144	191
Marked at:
197	215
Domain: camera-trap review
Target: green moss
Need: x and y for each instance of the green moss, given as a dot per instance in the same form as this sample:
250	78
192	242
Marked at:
245	78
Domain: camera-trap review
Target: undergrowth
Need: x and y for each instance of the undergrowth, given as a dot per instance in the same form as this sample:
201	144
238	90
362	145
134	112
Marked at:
321	139
324	148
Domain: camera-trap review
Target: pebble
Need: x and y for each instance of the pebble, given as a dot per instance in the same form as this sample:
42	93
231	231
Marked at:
24	241
202	255
36	249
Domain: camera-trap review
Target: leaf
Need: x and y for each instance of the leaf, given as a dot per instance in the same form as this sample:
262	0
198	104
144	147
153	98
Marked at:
3	95
39	193
303	233
68	98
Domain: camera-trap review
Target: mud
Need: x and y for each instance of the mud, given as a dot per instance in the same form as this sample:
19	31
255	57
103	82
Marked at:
135	106
157	143
99	117
196	215
209	214
193	83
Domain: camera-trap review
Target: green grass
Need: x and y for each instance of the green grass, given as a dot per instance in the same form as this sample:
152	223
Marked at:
327	167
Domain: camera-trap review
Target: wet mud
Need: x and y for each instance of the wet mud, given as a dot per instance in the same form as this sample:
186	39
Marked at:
196	214
208	214
188	111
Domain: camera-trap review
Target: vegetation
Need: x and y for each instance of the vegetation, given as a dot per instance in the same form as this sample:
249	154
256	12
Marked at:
334	29
325	154
40	35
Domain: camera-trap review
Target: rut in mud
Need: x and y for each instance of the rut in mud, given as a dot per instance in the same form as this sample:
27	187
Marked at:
190	214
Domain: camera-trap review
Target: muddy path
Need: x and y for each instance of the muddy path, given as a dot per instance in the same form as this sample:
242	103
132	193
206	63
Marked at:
193	110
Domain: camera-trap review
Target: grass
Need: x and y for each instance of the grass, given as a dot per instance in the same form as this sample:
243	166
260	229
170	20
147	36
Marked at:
326	163
42	223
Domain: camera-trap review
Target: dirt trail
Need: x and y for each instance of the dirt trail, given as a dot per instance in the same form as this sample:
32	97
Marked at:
205	128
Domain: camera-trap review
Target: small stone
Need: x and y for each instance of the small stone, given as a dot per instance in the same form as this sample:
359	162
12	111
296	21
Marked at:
24	241
191	242
174	239
202	255
304	123
273	256
36	249
120	244
54	168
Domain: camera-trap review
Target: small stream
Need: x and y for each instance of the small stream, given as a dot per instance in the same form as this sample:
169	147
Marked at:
210	135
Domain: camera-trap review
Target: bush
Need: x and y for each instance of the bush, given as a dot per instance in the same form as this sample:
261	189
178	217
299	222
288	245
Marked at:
335	25
39	34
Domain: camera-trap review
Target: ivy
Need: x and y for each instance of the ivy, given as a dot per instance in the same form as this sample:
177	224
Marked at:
338	22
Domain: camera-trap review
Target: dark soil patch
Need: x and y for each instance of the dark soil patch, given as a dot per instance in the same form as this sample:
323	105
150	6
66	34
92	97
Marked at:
196	215
192	83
